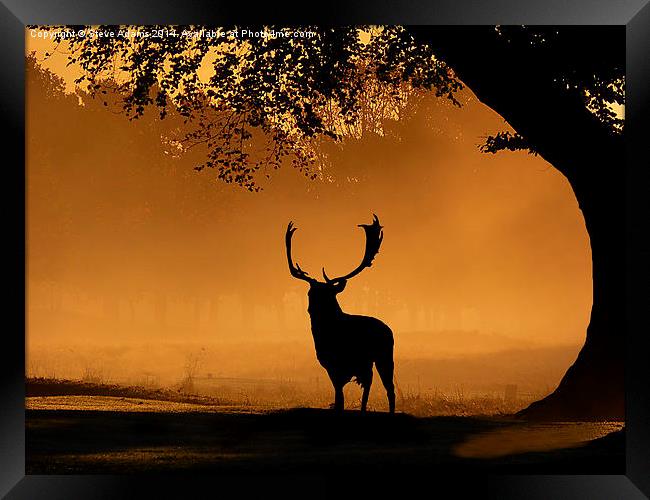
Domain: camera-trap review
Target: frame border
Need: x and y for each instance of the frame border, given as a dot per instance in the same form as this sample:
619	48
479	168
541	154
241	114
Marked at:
634	14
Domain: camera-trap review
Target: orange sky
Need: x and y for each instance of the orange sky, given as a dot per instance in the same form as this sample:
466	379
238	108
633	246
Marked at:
126	242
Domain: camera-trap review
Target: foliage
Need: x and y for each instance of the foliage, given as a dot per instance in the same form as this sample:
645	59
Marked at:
596	73
255	102
505	140
233	92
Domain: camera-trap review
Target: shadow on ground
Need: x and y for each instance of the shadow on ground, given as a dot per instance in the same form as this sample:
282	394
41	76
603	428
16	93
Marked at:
295	441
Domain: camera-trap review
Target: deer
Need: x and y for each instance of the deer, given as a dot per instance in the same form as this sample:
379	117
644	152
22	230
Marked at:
348	345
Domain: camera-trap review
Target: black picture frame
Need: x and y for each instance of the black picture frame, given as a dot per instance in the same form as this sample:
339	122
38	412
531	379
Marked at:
633	14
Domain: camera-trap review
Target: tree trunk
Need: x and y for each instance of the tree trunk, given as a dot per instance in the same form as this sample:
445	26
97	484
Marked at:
523	89
593	387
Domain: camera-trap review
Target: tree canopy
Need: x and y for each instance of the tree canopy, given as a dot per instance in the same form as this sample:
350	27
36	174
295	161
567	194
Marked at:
292	92
237	92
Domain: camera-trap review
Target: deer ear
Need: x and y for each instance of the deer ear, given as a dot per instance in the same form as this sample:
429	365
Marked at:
340	286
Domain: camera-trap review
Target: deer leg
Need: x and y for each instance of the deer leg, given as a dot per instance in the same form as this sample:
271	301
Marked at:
385	369
366	391
338	398
364	397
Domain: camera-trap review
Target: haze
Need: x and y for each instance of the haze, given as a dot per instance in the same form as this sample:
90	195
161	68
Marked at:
135	261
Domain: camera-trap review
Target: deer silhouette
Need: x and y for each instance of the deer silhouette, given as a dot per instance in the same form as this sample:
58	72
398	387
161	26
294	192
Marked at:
348	345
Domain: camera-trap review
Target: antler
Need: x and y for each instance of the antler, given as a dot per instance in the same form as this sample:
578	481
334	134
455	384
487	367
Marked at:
374	236
295	270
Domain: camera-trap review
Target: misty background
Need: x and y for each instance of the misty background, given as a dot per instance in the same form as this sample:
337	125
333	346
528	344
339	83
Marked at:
140	268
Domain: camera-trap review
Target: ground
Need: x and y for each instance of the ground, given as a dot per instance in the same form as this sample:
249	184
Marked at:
85	434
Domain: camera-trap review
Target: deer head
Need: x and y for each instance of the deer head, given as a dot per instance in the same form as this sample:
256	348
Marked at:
322	294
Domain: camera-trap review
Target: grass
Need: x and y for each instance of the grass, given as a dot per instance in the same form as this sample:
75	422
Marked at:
278	396
458	403
55	387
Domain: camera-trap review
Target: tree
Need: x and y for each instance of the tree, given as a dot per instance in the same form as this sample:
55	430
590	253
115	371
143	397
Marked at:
553	86
293	89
